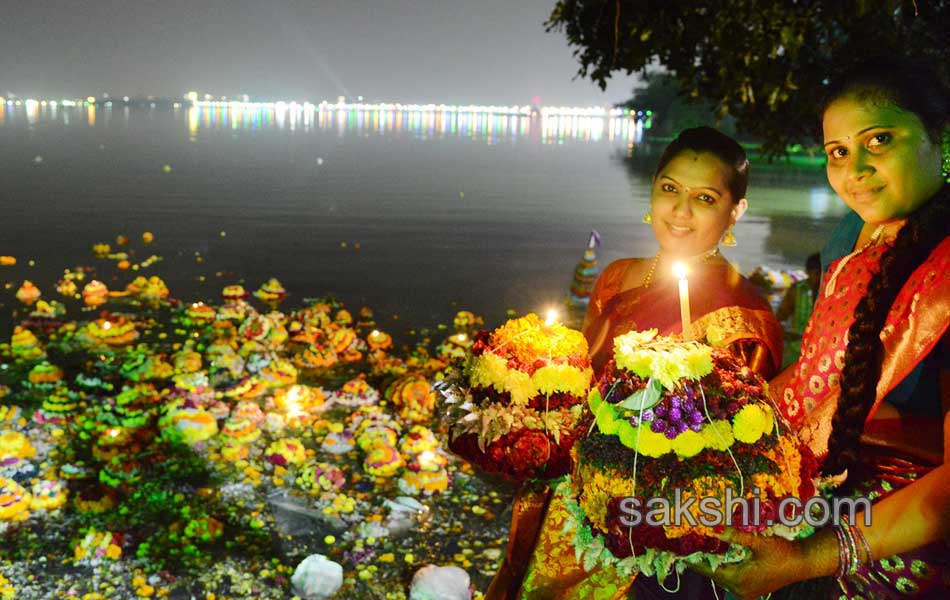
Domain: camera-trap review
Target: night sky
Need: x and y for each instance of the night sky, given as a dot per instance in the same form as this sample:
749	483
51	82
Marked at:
452	51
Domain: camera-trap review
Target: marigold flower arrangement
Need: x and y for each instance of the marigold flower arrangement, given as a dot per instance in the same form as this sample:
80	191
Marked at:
673	418
521	411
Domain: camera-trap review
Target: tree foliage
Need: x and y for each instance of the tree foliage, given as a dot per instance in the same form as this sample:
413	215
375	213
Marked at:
674	111
765	62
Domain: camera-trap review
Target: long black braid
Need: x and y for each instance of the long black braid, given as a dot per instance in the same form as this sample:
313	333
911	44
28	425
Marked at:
922	232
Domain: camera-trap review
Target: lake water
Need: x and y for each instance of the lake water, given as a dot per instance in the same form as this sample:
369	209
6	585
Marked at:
415	214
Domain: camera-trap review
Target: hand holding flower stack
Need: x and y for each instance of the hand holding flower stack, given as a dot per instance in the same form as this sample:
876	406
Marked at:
677	424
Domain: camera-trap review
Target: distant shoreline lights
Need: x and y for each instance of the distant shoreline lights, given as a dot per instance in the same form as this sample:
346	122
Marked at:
491	122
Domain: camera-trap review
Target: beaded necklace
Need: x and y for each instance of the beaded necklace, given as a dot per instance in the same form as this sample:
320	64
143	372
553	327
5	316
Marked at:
705	256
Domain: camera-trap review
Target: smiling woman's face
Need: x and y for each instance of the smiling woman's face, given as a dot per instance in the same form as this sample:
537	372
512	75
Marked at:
881	161
691	204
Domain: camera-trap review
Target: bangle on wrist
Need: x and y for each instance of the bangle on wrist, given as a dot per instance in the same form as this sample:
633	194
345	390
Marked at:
851	543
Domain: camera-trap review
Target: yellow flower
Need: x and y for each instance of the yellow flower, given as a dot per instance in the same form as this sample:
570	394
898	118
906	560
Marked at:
562	378
636	338
519	385
528	338
489	370
666	368
751	422
789	459
643	440
664	359
688	444
113	552
632	359
15	444
653	444
718	435
599	487
698	362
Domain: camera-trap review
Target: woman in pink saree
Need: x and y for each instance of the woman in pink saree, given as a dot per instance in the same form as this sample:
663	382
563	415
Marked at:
872	385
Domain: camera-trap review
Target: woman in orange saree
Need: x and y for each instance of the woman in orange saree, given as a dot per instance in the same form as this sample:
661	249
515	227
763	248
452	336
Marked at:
697	196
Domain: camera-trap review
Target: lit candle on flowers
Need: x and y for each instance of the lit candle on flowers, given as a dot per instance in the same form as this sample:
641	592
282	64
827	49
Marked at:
290	402
551	317
679	269
427	459
378	340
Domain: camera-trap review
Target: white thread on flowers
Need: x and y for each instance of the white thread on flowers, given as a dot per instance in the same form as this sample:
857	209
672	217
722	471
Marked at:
604	399
547	400
716	431
715	591
674	590
636	455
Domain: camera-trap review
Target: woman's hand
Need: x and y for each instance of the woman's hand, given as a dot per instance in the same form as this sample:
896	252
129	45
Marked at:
774	563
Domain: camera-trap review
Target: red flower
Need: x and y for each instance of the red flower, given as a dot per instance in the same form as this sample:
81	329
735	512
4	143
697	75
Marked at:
531	449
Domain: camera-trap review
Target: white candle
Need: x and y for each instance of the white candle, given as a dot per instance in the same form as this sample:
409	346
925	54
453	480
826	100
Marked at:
679	269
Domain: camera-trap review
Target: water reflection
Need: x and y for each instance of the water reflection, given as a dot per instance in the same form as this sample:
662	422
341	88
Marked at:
489	124
420	122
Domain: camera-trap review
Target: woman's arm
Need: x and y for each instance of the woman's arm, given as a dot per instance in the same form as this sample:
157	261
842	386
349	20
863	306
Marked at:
914	516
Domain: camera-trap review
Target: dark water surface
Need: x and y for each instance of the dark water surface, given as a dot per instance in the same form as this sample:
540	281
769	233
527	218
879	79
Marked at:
415	215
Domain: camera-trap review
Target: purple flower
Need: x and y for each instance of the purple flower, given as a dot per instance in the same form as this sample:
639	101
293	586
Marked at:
675	415
660	410
696	417
634	420
688	406
689	392
681	427
647	415
697	427
671	433
675	402
658	426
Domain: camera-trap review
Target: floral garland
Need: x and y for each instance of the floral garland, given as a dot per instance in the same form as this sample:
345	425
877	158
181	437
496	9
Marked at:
491	370
591	551
750	423
664	359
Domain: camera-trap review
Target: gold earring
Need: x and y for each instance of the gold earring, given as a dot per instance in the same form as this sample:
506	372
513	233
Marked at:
648	218
729	239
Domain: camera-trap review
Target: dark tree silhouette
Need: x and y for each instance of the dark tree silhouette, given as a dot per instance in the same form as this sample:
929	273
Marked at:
765	62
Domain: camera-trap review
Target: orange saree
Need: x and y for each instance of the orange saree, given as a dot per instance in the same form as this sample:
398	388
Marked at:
540	559
723	302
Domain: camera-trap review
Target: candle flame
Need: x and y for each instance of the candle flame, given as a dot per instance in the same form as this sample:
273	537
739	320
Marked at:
107	325
462	337
113	432
426	457
551	317
679	269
